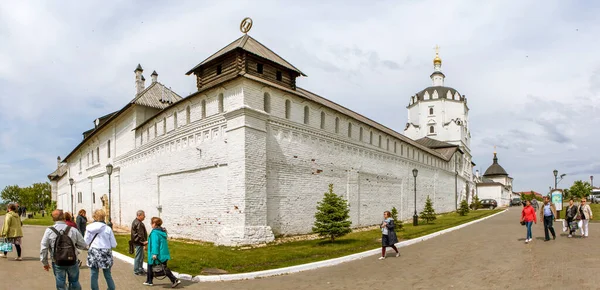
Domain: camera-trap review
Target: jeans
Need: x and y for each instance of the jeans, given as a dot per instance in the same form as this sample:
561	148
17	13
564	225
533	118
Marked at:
107	276
528	226
61	273
150	274
548	220
138	261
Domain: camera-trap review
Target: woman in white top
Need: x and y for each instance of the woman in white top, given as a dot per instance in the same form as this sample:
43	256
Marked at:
585	215
101	241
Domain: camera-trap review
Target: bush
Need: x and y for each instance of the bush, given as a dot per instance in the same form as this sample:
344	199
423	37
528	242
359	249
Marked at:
398	223
464	208
331	219
428	213
476	204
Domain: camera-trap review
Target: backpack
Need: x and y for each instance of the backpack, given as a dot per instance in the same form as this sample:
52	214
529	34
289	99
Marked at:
64	250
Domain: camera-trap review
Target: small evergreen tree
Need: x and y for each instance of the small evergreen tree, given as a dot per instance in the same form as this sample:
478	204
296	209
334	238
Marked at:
332	216
397	222
476	204
428	213
464	208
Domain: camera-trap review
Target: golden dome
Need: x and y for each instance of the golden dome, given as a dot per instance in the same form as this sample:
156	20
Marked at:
437	60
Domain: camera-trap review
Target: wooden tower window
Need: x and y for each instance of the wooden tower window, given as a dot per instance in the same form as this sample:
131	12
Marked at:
219	68
259	68
279	75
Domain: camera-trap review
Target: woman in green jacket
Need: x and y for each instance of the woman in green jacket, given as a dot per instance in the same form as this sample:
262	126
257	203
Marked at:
12	230
158	252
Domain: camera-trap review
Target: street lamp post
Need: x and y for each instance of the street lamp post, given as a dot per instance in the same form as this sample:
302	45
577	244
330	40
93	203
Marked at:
109	169
592	180
415	216
556	181
71	181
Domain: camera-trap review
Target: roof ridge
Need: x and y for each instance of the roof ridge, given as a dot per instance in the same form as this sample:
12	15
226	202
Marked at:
218	51
277	55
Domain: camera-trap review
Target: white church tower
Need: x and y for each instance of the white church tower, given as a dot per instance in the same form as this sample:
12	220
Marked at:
439	112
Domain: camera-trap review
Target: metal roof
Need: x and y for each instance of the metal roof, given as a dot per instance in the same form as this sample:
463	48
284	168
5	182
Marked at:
495	169
251	45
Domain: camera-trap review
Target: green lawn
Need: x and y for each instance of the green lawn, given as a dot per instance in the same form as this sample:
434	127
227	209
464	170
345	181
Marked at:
38	220
595	212
189	257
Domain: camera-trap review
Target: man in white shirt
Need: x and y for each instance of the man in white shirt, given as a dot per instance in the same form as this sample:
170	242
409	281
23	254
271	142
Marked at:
47	246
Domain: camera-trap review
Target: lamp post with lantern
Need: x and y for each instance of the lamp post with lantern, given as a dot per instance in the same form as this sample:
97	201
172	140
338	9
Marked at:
415	216
109	170
71	182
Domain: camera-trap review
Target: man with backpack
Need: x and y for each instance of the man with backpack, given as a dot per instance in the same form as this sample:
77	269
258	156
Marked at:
61	241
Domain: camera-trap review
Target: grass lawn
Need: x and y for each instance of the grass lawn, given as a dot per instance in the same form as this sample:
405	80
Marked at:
38	220
595	212
189	257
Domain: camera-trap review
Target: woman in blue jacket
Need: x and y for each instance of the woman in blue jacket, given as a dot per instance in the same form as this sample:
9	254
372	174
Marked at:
158	252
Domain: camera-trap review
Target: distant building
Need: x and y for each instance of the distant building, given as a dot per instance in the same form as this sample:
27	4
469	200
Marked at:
495	184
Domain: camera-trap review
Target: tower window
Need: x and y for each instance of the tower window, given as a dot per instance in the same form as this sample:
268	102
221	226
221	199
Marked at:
107	149
219	69
220	103
287	108
259	68
350	130
267	102
371	137
306	115
337	124
431	130
322	120
187	115
278	75
431	111
203	105
360	134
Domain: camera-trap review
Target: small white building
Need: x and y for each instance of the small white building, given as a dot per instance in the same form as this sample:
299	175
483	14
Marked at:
495	184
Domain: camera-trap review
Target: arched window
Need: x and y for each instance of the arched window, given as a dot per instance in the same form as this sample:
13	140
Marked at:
349	130
164	126
360	134
107	152
395	147
203	105
174	120
337	124
431	130
322	120
431	111
98	154
306	115
267	102
379	143
220	103
371	137
187	115
288	108
387	144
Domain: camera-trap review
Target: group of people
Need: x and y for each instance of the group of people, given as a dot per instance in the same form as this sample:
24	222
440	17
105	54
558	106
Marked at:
576	217
62	243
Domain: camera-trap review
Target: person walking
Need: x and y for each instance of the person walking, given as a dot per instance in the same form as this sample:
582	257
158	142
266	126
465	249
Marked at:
548	211
81	221
101	240
69	220
158	252
570	214
49	240
528	217
388	234
585	214
139	239
12	231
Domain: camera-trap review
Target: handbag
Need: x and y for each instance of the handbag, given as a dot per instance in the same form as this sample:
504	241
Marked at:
522	223
159	271
574	225
5	246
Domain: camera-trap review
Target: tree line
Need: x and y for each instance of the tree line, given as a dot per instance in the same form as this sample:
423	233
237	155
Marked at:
35	197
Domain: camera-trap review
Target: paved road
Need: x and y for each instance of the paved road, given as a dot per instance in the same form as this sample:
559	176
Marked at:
487	255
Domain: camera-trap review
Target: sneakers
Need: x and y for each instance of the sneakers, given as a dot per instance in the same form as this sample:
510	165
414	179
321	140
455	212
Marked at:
18	259
398	254
148	284
381	258
175	283
569	236
3	256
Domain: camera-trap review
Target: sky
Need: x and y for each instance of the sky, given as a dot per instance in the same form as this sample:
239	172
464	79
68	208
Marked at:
530	72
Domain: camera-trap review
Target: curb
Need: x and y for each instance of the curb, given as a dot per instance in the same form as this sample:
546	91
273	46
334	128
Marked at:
305	267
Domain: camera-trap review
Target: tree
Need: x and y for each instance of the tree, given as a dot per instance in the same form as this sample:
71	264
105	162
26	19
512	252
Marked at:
475	204
397	222
42	195
428	213
464	208
11	193
580	189
332	217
